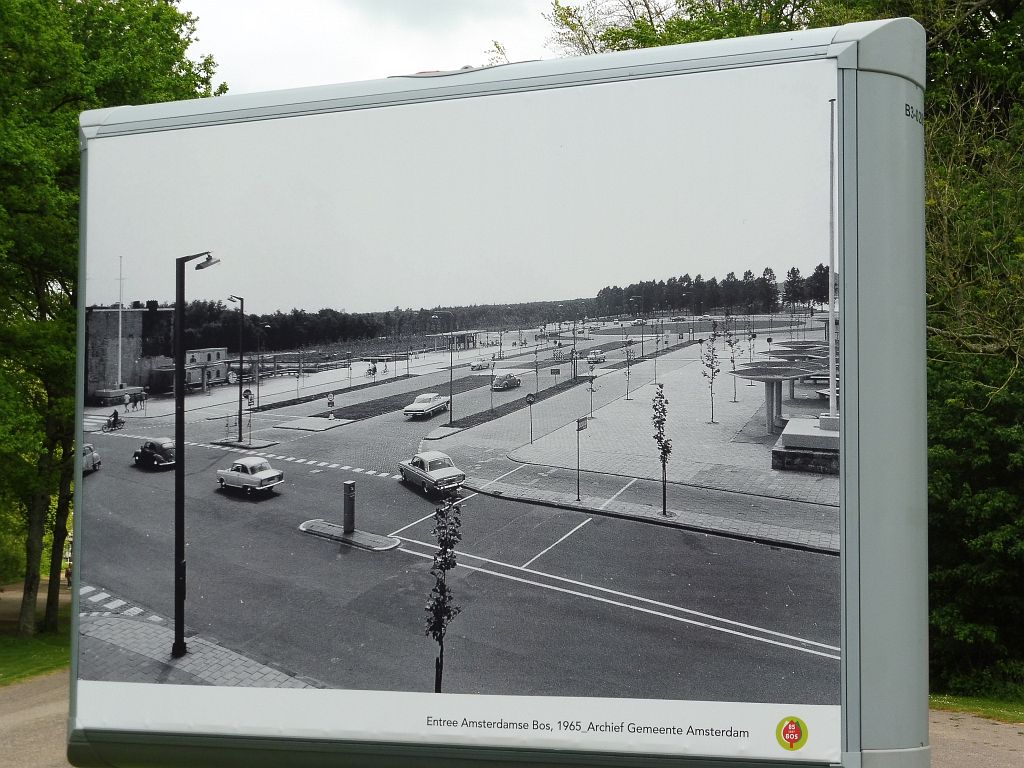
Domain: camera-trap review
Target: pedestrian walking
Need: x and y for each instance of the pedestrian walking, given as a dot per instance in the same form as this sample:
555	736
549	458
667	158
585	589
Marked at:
330	400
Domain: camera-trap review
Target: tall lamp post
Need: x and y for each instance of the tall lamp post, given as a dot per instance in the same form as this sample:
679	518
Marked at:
178	648
451	360
241	356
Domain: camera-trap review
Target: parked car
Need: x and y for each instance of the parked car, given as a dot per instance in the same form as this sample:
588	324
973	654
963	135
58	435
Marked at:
480	365
432	471
505	381
251	474
90	458
158	452
426	404
704	317
596	356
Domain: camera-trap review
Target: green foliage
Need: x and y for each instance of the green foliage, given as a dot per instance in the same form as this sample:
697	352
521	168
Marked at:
976	530
57	58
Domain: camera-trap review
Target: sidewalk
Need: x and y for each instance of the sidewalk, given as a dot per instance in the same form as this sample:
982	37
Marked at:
732	455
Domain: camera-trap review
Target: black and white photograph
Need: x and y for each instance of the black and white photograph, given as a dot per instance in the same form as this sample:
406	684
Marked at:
523	399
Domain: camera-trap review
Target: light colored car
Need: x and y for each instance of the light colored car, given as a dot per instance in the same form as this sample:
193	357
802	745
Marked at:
480	365
251	474
90	458
596	356
505	381
432	471
426	404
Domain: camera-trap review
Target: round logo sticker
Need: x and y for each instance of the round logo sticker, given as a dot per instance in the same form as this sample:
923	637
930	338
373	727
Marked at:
791	733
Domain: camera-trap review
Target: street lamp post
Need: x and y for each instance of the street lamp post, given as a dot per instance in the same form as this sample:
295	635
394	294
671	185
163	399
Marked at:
241	356
451	361
178	648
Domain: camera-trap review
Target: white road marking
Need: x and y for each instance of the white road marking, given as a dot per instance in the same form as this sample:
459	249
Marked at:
332	466
86	590
133	611
410	525
396	477
322	464
609	501
346	467
646	600
114	604
357	469
467	498
100	596
570	533
505	475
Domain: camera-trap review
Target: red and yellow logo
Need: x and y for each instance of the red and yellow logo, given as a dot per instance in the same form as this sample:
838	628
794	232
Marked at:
791	733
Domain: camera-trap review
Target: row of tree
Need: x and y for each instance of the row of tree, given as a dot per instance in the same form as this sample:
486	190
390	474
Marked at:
215	324
731	295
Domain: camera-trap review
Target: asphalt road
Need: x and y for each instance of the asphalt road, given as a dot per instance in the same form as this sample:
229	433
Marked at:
554	602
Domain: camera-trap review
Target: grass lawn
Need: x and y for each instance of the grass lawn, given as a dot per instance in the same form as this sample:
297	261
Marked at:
22	658
1004	710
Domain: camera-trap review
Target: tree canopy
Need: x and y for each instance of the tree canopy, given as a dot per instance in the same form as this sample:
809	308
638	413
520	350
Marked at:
58	58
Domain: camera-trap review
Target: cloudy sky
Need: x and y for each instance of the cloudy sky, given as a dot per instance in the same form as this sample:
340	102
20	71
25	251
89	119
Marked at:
263	45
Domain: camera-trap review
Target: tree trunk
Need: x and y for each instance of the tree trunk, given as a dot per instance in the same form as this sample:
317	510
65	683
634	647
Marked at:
664	488
439	667
60	533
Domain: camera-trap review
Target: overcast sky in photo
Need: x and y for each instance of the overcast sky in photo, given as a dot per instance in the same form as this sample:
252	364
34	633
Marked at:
535	196
263	45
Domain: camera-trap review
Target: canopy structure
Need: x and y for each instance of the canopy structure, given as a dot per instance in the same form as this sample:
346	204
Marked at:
772	376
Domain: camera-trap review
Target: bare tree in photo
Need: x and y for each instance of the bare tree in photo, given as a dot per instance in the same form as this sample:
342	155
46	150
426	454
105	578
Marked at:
441	607
732	341
709	359
660	405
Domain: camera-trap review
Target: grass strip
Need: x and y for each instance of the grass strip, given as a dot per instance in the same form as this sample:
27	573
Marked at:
1003	710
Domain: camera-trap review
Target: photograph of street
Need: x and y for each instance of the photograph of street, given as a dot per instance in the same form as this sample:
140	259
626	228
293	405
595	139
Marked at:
436	402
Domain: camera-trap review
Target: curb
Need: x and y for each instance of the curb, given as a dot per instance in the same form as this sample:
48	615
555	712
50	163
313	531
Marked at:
656	518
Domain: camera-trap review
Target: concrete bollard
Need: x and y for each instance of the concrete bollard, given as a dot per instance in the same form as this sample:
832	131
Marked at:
349	494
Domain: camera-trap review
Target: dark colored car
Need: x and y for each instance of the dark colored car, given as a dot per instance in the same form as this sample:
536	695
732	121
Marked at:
158	452
506	381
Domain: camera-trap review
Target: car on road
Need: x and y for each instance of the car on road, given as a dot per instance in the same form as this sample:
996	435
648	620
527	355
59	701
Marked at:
432	471
480	365
505	381
426	404
90	458
251	474
596	356
158	452
704	317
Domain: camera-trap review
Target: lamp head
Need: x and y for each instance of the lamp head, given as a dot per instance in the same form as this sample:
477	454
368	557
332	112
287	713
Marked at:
209	261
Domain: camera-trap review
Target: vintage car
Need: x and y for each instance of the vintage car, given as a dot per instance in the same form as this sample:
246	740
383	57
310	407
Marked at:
505	381
432	471
90	458
251	474
596	356
157	452
426	404
480	365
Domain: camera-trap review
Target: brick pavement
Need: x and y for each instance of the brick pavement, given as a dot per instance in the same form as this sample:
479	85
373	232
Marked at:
124	643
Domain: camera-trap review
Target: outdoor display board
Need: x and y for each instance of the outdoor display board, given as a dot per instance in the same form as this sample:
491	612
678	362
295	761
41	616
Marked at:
586	629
